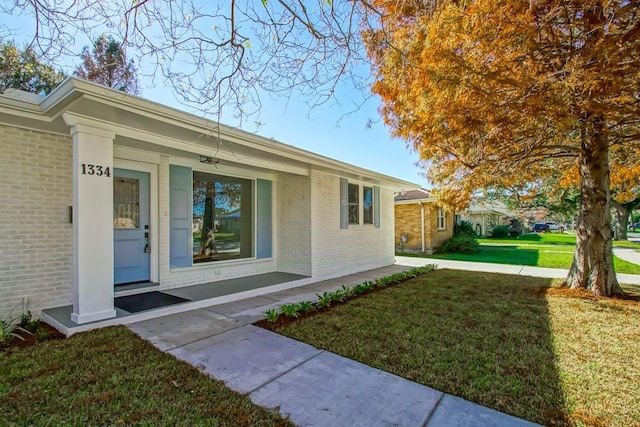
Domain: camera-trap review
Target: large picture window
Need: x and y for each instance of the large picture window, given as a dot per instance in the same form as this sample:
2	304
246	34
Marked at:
222	218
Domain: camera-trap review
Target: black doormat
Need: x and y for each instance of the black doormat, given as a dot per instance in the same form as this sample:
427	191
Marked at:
146	301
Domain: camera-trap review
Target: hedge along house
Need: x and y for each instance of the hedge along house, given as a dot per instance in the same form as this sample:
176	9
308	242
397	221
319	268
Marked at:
420	224
107	194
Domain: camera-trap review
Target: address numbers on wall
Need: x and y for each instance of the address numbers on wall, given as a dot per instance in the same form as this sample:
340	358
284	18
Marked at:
98	170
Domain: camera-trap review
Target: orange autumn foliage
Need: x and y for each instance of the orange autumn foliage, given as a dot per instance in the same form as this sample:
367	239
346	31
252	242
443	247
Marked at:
496	92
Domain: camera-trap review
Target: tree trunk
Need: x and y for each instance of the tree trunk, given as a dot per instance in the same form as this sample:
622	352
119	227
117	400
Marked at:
207	237
621	215
592	266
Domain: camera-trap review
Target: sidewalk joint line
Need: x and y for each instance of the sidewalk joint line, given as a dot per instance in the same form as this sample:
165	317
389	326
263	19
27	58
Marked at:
287	371
426	422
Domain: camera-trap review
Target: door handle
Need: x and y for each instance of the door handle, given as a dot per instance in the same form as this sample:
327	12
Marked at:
147	248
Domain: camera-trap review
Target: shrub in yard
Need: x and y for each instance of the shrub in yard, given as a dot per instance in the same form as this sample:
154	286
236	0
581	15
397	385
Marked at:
500	231
460	244
530	236
464	227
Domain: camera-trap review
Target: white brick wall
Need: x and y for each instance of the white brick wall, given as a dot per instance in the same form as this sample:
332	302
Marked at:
36	188
337	251
293	222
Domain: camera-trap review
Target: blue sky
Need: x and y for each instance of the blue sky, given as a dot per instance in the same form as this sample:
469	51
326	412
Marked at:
334	131
337	131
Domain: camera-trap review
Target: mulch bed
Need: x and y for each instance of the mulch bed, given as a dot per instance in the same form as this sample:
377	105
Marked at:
32	339
286	320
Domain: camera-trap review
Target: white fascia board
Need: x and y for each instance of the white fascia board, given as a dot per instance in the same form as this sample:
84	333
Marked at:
156	111
146	136
415	201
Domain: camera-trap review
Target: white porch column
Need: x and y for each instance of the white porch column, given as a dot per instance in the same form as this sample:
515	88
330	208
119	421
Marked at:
92	222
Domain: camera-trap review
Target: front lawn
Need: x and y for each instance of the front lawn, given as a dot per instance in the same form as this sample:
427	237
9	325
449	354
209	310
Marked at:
535	238
561	239
111	376
537	256
507	342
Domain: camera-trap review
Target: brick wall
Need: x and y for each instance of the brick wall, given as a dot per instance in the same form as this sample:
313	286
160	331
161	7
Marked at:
408	221
339	251
36	184
293	223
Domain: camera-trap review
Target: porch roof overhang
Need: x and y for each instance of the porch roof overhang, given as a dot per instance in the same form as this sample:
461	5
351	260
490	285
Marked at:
143	124
415	201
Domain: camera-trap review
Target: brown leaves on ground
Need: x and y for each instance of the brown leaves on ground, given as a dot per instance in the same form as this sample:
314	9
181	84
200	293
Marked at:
631	300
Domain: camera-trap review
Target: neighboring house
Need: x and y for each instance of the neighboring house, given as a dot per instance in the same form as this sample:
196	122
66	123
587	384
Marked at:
484	216
101	188
421	225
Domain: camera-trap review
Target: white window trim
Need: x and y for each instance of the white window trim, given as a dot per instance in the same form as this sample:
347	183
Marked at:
344	204
441	219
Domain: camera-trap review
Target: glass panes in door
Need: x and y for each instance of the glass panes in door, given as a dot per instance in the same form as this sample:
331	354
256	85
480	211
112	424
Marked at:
126	203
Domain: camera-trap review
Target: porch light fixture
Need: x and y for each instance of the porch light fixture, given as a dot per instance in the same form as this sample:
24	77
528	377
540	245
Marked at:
209	160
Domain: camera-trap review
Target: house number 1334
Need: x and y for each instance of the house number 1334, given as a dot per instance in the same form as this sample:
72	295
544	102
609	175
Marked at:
88	169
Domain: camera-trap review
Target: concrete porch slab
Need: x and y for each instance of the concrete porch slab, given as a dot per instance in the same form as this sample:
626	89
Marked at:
232	286
330	390
246	358
178	329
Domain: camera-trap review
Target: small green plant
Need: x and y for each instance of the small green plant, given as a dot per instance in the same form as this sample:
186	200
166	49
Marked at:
9	329
271	315
42	335
348	292
500	231
460	244
383	282
360	289
306	306
464	227
324	300
290	310
338	295
28	323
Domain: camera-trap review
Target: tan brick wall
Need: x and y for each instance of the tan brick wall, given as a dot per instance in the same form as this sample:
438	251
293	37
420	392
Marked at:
438	237
408	222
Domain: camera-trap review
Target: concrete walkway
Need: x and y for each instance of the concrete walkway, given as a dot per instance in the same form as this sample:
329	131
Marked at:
523	270
630	254
311	386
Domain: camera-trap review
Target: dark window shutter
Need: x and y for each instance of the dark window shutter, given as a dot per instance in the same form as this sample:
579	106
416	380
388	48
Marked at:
344	203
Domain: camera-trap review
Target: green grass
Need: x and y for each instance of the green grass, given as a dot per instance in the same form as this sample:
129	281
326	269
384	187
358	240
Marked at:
534	238
537	256
498	340
568	239
550	250
111	377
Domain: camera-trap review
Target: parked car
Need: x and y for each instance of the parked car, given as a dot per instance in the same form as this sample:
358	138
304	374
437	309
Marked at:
541	227
553	226
634	226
